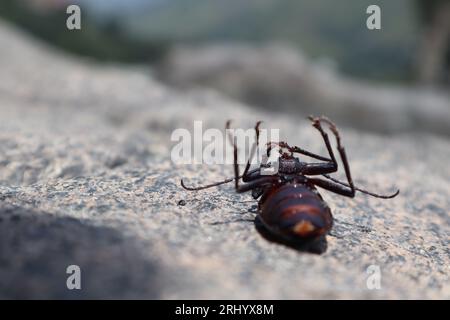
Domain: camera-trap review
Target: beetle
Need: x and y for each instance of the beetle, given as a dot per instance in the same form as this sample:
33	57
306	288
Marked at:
290	206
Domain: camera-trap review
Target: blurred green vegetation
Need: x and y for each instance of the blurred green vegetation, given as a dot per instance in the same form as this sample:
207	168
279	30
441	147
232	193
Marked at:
103	41
427	8
322	28
335	30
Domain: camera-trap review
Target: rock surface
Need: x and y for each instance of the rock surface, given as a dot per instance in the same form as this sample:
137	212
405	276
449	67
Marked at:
86	178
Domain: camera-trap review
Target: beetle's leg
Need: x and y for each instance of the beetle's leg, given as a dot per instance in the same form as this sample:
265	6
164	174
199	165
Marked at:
251	185
344	190
316	124
257	192
245	176
331	164
248	175
254	174
261	182
333	187
373	194
257	182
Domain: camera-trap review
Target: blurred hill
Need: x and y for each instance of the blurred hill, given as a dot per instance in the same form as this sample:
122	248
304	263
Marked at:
101	37
414	43
281	79
322	28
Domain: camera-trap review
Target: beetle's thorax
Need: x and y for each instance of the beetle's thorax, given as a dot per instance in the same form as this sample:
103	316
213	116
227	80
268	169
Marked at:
289	165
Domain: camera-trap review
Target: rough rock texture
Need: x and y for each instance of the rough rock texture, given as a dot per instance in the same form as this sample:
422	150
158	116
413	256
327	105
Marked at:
86	178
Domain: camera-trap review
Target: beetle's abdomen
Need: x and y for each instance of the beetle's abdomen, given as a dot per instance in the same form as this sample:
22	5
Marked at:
295	211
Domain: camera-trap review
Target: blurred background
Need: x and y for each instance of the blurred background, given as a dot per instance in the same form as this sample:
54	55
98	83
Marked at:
296	56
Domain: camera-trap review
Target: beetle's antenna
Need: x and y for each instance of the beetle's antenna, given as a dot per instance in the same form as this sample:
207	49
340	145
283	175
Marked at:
205	187
362	190
214	184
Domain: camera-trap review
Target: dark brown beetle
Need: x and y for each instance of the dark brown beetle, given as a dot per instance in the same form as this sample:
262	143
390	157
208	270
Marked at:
290	206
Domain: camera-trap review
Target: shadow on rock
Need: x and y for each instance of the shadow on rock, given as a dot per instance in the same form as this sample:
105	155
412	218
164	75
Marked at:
317	246
36	248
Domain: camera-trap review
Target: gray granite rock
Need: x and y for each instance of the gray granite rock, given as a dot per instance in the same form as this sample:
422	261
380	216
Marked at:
86	178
